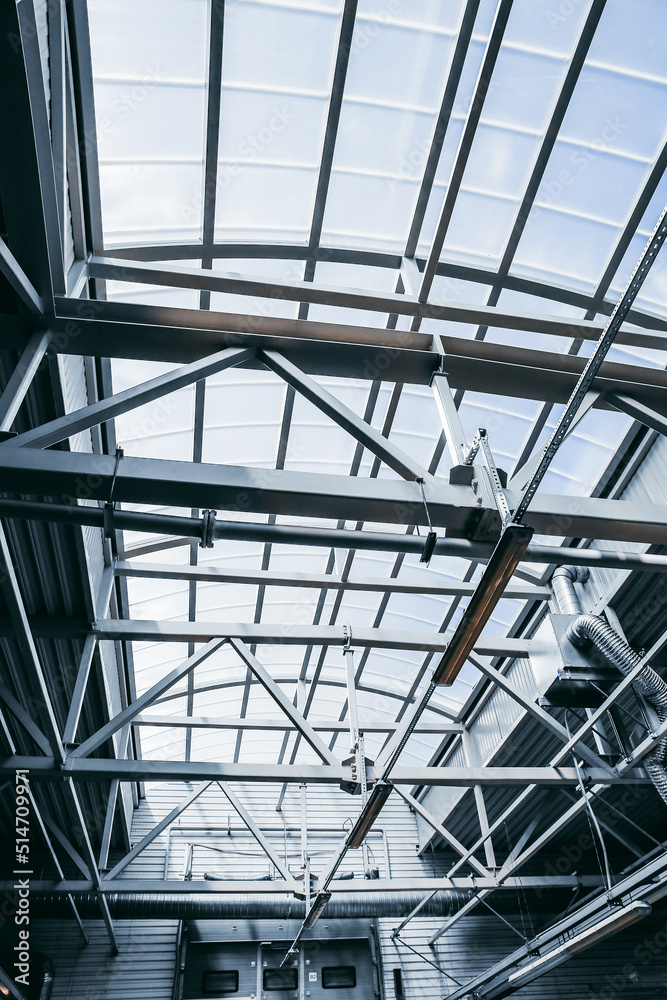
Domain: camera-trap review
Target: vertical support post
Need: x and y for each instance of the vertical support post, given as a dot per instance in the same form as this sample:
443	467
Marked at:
353	715
21	378
451	422
58	80
305	860
470	752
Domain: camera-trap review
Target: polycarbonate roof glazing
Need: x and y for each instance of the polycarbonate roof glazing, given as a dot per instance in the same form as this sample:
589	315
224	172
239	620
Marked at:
307	158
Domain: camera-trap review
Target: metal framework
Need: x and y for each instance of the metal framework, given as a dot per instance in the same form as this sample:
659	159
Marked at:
54	268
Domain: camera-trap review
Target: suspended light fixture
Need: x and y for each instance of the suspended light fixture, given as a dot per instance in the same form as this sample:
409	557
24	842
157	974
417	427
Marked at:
598	932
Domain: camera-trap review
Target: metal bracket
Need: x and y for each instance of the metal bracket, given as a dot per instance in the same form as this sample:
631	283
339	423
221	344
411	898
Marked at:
108	519
207	529
347	636
110	506
481	443
470	457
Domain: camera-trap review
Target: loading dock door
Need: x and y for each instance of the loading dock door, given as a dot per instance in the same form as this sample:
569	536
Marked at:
218	972
338	970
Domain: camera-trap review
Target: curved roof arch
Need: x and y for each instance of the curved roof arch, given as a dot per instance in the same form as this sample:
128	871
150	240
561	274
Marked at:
484	170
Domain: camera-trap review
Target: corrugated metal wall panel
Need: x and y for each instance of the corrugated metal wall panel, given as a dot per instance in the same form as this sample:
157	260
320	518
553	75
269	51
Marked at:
144	968
494	723
75	395
42	22
328	810
648	485
633	962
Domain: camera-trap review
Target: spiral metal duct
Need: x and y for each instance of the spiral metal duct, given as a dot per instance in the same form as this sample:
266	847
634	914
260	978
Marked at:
592	629
237	906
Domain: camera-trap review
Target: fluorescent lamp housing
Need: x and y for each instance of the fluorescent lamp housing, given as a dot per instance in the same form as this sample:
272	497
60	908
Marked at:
598	932
504	560
315	912
369	814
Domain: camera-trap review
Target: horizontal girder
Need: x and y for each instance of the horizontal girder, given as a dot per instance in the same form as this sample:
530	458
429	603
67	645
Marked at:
97	769
74	475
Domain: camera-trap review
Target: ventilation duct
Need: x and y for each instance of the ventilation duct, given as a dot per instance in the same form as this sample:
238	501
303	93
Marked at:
239	906
586	630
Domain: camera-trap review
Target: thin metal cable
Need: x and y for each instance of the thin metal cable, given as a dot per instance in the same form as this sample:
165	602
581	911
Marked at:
592	820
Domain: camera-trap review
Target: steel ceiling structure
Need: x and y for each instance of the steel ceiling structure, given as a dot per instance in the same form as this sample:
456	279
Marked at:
395	370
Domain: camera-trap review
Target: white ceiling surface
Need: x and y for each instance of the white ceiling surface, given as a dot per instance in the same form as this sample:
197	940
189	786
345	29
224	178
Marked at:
150	93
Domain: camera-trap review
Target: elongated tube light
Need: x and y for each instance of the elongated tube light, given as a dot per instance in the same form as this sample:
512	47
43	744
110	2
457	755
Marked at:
598	932
369	814
498	573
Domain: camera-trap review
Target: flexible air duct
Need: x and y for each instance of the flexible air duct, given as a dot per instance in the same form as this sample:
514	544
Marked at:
562	584
239	906
592	629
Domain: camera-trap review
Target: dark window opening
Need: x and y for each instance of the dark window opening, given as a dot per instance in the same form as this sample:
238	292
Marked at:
398	983
281	979
220	981
336	977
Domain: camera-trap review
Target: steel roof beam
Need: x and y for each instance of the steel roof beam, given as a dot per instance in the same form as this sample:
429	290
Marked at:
69	475
19	280
376	258
644	414
146	699
112	406
458	61
533	709
141	630
155	832
465	144
21	378
269	578
84	94
102	769
282	725
182	336
175	276
364	433
283	702
242	812
549	141
448	837
330	136
27	182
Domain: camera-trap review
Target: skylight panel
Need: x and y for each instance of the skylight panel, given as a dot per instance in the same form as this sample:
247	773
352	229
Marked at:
542	26
149	88
653	294
565	248
274	104
396	73
243	416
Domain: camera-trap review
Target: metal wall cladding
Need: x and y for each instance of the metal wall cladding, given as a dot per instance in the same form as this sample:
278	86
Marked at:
648	485
633	963
144	967
495	721
42	23
236	855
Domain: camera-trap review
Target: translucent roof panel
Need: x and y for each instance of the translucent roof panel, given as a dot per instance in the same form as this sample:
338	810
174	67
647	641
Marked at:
393	89
150	73
335	147
274	106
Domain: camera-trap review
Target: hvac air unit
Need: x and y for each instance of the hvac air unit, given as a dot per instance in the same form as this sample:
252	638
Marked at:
565	675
